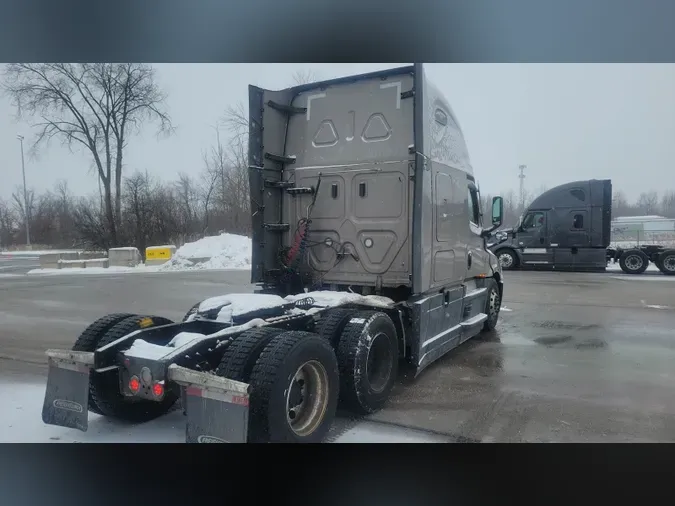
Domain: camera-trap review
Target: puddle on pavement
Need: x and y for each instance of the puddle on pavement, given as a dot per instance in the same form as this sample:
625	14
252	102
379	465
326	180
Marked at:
555	324
552	340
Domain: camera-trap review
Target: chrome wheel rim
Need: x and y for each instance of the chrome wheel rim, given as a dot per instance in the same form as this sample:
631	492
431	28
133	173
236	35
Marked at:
669	263
307	398
494	304
506	260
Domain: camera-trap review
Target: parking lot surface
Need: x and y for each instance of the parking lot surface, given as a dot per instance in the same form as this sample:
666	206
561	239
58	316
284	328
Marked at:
576	357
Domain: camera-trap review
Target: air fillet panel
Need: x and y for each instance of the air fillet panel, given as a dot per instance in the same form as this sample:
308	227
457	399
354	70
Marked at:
376	129
326	135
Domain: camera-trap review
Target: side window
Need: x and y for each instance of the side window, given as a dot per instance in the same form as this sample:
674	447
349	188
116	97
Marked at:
474	207
534	221
578	194
578	221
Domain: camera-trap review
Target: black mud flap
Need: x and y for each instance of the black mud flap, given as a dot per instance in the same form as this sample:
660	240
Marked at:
216	408
67	395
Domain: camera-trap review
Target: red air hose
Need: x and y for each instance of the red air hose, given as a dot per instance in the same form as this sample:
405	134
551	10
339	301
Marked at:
297	241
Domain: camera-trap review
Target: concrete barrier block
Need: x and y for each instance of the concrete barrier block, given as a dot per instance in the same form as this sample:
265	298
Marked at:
72	264
74	255
157	255
97	262
50	260
92	255
124	257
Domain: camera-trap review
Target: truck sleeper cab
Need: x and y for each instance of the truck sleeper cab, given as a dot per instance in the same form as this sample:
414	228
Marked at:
569	228
370	177
367	246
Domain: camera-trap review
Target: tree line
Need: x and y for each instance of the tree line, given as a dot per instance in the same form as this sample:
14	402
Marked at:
212	201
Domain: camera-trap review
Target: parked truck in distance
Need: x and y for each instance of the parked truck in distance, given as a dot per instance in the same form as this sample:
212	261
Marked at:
368	248
569	228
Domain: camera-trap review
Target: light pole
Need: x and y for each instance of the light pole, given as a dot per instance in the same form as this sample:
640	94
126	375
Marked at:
25	193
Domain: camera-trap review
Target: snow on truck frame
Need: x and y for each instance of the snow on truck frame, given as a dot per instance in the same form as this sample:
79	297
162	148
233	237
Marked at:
368	248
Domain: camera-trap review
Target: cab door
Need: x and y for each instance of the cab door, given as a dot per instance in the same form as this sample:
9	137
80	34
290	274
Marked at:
533	239
477	256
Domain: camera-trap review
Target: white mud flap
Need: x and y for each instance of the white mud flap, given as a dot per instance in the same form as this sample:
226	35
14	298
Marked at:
216	408
67	395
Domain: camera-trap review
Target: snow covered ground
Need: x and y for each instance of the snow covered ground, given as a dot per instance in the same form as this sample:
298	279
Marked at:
36	253
21	422
221	252
94	270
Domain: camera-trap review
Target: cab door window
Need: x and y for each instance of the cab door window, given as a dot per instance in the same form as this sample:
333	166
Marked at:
474	208
534	221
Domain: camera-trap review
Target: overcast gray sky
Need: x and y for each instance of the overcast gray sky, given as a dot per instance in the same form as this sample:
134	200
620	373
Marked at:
564	121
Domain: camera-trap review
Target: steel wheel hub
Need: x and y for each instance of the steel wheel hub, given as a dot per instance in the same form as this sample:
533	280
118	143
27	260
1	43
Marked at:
669	263
307	398
506	260
634	262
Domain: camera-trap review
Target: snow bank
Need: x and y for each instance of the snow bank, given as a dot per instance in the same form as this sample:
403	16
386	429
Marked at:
225	251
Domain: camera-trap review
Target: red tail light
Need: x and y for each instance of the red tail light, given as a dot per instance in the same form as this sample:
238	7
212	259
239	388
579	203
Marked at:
134	384
158	389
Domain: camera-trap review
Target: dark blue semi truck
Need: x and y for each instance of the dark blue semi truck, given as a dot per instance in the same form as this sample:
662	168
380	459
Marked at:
568	228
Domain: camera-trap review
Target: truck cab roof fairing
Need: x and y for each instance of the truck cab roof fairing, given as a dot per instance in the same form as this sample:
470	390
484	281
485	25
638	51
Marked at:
444	141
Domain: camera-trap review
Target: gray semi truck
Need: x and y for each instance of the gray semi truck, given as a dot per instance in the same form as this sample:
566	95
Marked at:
569	228
368	247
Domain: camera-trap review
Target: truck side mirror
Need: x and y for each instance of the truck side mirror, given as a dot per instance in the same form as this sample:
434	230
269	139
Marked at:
497	211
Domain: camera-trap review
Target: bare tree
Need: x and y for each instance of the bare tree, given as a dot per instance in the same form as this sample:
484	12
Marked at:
7	224
304	77
648	202
668	204
97	106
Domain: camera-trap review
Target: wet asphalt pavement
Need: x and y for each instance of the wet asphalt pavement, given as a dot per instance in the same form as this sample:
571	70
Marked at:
576	357
13	265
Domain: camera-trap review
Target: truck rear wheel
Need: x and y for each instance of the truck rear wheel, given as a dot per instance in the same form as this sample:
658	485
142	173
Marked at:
241	355
104	387
368	359
507	258
333	323
633	261
89	341
295	387
666	262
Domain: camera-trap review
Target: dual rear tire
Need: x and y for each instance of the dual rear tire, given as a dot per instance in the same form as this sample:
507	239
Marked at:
105	397
666	262
635	261
298	379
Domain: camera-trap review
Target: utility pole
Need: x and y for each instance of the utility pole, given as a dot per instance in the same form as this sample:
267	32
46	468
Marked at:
522	185
25	193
